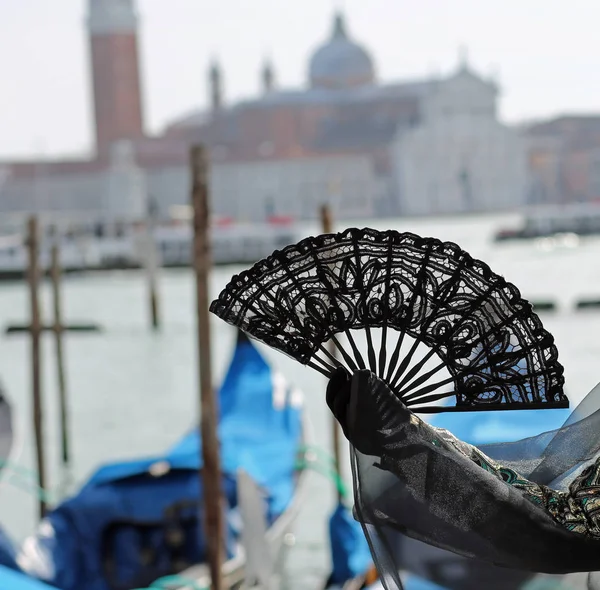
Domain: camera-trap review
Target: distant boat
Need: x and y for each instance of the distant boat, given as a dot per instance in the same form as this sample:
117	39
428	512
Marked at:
565	222
136	521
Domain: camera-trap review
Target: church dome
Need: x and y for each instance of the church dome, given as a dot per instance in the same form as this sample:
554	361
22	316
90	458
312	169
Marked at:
340	63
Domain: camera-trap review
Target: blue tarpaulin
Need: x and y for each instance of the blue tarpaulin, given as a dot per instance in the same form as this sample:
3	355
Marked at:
414	583
117	526
7	551
350	554
12	580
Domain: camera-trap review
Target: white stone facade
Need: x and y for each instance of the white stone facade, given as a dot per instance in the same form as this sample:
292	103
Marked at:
125	191
117	193
460	157
296	187
246	191
252	191
73	195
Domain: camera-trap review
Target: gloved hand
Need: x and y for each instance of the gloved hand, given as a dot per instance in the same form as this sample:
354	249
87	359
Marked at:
365	407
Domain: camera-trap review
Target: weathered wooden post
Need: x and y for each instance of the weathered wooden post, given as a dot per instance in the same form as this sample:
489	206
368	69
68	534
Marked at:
211	469
35	331
326	225
151	256
58	329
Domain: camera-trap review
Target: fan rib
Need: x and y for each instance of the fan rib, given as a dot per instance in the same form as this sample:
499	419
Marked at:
431	352
330	368
394	358
349	360
355	350
330	355
371	352
319	369
446	290
429	398
406	361
420	274
333	303
425	390
410	385
388	272
418	366
360	278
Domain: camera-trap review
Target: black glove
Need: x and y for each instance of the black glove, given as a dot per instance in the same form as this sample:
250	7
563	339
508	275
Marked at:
363	405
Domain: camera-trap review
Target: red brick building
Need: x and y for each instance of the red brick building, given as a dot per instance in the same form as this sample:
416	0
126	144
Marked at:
565	158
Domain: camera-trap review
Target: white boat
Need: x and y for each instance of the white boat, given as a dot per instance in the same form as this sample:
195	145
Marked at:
232	242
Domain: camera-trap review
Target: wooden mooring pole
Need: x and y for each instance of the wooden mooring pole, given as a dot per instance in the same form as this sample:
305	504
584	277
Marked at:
151	256
211	469
33	276
326	225
152	273
58	329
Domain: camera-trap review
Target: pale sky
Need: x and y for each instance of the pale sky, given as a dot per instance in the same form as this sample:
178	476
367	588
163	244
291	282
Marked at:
545	53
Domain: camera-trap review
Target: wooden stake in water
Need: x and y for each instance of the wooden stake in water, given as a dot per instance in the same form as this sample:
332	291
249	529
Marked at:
35	331
151	257
58	329
211	470
335	429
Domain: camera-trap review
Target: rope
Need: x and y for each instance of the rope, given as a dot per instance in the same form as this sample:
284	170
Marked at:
323	465
18	471
308	449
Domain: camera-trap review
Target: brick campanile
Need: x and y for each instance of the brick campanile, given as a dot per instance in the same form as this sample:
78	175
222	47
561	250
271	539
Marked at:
112	26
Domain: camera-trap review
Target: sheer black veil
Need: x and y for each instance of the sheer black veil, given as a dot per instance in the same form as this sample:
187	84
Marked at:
482	527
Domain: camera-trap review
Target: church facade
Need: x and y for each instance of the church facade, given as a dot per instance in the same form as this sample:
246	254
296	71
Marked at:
460	158
369	149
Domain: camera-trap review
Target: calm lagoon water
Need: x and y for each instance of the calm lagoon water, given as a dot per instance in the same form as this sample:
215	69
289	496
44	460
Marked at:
133	392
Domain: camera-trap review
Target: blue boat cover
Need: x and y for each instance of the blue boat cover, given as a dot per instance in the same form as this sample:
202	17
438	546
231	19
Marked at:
414	583
350	554
125	527
8	552
12	580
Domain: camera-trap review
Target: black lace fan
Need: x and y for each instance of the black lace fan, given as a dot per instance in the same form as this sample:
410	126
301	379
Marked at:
425	316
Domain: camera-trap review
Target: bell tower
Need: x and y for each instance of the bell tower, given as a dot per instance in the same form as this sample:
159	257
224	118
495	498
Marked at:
215	81
267	76
112	27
